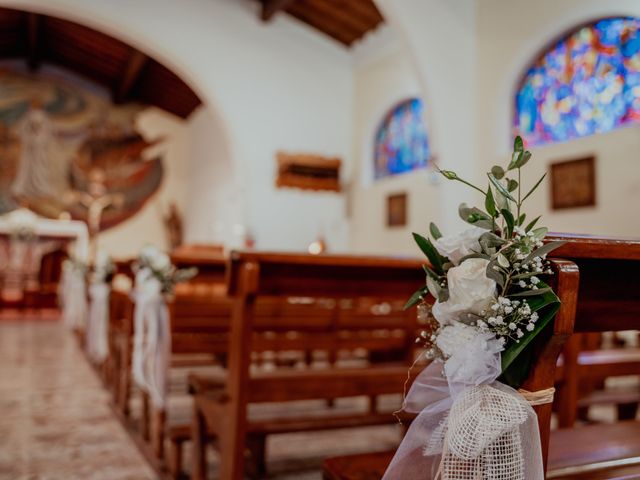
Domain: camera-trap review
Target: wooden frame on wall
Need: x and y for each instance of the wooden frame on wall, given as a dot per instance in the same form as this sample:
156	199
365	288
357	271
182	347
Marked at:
573	183
397	210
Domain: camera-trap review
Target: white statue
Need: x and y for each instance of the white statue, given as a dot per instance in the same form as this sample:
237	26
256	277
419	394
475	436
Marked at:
44	163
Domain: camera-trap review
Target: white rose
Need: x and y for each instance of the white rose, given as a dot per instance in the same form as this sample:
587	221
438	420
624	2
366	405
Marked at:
160	262
470	291
148	252
454	247
455	336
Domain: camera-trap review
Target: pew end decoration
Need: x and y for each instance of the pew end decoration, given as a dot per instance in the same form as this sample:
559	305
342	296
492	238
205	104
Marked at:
491	302
155	279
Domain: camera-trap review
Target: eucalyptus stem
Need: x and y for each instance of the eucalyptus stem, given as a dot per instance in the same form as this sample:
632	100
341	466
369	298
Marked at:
519	193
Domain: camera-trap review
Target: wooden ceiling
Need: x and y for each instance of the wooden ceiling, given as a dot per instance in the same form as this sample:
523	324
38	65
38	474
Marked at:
344	20
127	73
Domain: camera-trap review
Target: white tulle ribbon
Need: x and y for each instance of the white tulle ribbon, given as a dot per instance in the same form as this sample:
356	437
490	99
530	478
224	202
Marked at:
98	322
151	339
73	297
469	426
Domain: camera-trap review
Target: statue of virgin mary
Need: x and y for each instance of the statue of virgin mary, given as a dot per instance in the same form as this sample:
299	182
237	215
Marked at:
44	163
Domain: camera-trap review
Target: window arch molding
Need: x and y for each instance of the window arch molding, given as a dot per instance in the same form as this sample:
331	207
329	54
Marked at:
401	140
586	81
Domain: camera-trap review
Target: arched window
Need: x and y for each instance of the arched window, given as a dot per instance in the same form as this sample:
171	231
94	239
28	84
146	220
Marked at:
588	82
401	140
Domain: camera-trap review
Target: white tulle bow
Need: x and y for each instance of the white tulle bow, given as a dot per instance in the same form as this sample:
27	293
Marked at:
151	339
469	426
98	322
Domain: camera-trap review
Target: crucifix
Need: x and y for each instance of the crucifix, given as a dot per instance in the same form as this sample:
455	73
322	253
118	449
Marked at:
96	200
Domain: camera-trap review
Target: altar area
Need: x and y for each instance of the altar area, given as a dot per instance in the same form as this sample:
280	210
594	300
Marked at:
32	250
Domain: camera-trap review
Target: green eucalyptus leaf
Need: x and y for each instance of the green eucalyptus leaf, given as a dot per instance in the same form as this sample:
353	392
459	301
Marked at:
435	231
431	273
475	216
534	187
518	144
490	239
512	185
434	287
508	218
449	175
544	250
521	219
495	275
497	172
416	297
540	232
503	261
532	223
490	203
523	159
475	255
430	251
500	187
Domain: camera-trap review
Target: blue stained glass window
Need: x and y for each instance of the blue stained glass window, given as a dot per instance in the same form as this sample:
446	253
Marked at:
588	82
401	140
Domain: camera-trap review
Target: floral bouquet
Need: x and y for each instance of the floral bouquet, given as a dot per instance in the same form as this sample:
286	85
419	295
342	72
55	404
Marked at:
490	303
22	224
156	264
104	268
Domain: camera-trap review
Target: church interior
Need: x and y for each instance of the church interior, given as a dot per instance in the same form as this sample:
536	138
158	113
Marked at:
214	214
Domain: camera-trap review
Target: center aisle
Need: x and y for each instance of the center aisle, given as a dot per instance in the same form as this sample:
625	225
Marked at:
56	422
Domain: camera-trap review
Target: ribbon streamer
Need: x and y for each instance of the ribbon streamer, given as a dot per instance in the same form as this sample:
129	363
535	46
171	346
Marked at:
73	297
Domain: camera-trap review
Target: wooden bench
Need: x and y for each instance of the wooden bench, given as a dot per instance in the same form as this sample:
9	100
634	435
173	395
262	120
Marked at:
607	301
363	293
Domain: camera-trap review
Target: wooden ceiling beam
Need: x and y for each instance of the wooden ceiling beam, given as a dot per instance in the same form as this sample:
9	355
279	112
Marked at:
34	21
134	66
271	7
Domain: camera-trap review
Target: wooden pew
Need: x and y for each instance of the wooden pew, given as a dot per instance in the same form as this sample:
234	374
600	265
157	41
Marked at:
607	301
256	278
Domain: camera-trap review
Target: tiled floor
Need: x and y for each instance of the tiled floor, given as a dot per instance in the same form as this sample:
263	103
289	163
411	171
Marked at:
55	419
56	422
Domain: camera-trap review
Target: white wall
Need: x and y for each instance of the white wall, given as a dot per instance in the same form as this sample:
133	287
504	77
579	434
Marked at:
125	239
273	86
381	80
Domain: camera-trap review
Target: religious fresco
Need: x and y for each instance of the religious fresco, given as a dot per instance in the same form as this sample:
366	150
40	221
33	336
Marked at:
66	150
589	82
401	140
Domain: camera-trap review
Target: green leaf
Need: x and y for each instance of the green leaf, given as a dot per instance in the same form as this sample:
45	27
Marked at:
531	293
430	251
508	218
534	187
540	232
512	185
435	231
497	172
543	250
490	203
532	223
434	287
518	144
523	159
521	219
503	261
431	273
500	187
493	274
490	240
475	216
514	372
475	255
416	297
448	174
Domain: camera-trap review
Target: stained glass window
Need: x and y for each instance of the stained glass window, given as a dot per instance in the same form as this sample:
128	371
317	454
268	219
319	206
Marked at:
401	140
588	82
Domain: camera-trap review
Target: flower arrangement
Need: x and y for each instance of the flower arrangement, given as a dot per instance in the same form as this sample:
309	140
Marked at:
154	263
491	301
23	224
487	280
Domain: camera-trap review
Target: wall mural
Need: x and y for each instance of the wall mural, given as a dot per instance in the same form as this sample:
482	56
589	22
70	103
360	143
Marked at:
64	147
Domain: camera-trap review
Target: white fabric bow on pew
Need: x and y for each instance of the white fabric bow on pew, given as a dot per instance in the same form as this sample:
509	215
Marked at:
98	321
151	338
469	426
73	296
